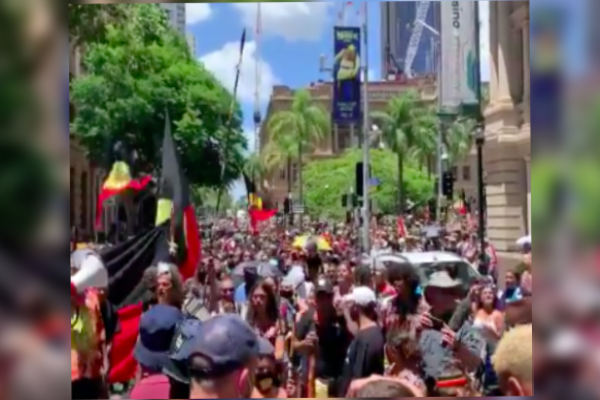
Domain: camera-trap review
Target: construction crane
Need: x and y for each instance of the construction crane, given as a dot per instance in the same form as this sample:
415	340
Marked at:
415	37
257	117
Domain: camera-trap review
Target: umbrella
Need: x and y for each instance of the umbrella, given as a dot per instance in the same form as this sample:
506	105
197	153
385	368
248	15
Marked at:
260	268
303	240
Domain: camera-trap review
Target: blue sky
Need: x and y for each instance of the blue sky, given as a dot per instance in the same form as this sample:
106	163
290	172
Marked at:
292	38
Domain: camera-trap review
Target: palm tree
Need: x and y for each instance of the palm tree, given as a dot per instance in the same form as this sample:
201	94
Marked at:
278	154
459	140
426	129
301	127
402	124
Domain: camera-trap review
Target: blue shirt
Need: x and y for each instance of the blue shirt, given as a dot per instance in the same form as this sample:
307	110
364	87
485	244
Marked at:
240	294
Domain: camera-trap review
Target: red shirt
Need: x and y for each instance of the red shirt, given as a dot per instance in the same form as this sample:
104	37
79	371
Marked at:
151	387
386	290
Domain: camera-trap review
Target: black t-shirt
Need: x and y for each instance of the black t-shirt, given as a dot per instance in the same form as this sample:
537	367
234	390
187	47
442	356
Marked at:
365	357
334	340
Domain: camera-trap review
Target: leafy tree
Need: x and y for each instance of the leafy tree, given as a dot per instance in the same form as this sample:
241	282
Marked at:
88	22
206	199
327	180
460	140
402	126
279	153
142	70
300	127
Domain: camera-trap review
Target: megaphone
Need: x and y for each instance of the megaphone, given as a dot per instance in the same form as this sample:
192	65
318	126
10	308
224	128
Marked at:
92	274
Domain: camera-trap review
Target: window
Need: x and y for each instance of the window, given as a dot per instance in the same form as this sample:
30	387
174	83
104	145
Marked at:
466	173
84	200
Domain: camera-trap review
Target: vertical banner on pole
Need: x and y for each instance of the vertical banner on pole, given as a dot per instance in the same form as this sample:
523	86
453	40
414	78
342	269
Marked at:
346	75
459	54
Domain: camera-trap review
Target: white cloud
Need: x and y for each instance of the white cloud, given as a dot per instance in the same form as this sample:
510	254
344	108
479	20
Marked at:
197	12
292	21
484	39
222	63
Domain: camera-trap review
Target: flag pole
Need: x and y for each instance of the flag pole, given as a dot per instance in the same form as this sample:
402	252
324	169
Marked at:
230	117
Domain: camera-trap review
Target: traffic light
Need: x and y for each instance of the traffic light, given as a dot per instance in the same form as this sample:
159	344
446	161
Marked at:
344	200
448	184
287	206
359	178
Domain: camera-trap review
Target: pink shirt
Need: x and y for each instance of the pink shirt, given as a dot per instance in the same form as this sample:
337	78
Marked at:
151	387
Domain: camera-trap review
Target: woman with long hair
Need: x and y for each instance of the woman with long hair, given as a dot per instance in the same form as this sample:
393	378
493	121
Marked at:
402	351
403	310
169	287
487	316
263	316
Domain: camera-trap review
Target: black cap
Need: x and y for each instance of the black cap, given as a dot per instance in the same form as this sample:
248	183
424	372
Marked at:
324	286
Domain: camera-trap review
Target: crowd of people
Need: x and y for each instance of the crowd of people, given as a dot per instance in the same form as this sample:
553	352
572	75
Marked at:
290	313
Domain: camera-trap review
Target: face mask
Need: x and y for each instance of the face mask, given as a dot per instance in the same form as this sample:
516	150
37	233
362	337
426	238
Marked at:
264	380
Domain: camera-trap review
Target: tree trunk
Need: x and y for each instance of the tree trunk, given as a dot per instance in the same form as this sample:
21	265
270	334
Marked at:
400	184
429	167
288	173
300	182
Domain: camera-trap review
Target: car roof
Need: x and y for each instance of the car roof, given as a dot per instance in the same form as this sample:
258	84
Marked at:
428	257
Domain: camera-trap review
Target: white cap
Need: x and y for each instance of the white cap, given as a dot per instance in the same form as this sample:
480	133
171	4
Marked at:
362	296
524	241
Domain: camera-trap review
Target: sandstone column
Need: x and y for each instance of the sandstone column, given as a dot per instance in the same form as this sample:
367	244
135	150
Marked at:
493	21
504	50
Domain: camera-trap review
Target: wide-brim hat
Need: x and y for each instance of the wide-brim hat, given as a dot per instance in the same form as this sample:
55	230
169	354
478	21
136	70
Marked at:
442	280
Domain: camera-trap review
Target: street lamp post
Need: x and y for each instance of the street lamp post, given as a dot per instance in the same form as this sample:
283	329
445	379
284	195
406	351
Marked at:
479	142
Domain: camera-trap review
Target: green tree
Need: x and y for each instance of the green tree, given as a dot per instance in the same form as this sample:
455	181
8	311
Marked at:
301	127
402	125
460	140
207	198
88	22
279	153
327	180
142	70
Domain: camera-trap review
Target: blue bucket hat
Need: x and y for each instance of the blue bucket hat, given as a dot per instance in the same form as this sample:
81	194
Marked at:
222	345
157	327
176	366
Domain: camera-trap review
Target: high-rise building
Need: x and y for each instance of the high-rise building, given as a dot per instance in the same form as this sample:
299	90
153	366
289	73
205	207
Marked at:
397	22
191	41
176	15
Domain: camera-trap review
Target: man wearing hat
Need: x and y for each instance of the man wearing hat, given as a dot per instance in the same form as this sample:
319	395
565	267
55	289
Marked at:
366	353
157	328
440	346
217	357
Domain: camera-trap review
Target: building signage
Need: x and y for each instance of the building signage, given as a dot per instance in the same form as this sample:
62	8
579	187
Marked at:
346	75
460	52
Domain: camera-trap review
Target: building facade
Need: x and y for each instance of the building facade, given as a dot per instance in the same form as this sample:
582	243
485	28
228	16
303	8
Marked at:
85	179
342	137
176	15
191	41
397	22
507	151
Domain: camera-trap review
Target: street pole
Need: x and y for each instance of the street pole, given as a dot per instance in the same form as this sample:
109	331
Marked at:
365	143
479	141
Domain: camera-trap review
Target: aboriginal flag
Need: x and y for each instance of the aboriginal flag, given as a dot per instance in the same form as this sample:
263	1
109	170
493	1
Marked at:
258	210
174	205
119	179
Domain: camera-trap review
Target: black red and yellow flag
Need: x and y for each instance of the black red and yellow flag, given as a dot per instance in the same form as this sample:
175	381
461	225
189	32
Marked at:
257	209
119	179
174	204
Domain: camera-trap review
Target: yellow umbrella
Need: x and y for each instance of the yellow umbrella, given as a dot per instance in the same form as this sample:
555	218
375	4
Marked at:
322	243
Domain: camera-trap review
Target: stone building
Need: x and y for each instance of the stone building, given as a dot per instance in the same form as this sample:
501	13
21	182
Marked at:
342	137
85	179
507	151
